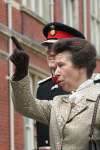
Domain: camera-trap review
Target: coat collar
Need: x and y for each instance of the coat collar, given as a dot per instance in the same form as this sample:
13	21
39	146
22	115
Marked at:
77	108
65	112
81	103
62	111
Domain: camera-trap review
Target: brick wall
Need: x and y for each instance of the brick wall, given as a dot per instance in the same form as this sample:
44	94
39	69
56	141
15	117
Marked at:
3	12
4	106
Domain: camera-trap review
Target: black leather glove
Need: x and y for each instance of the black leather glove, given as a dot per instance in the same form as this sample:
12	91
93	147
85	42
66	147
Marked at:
21	60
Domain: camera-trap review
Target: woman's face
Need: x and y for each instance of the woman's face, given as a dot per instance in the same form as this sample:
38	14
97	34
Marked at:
69	76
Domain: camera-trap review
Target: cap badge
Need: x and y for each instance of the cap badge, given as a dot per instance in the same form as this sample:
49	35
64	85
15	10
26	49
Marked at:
53	31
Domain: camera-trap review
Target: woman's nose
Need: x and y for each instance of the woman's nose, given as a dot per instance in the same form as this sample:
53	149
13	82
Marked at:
57	71
56	75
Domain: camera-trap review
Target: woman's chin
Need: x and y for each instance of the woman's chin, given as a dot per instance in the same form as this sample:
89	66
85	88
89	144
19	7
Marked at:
62	86
65	88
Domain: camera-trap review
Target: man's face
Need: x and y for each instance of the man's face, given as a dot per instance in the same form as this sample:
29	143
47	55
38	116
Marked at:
51	59
69	76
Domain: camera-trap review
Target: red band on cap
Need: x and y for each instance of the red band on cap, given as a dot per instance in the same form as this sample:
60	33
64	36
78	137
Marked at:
59	35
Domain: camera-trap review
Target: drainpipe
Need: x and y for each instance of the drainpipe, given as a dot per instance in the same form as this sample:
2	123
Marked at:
11	111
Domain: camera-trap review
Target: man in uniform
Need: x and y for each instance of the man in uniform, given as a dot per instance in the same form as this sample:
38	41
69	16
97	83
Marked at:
47	88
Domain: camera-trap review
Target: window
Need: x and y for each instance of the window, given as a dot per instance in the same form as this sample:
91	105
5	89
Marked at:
71	12
30	124
29	134
95	24
41	7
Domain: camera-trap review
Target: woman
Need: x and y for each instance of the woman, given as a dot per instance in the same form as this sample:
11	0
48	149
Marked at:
68	116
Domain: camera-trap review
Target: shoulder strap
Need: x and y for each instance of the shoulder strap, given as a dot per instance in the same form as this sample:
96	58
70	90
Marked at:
94	116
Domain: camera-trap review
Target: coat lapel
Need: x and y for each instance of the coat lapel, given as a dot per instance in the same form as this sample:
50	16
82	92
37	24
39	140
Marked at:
65	112
79	107
62	112
82	104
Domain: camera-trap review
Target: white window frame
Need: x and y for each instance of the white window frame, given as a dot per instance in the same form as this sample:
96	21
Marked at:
24	2
29	133
30	124
85	17
67	6
29	129
40	12
95	24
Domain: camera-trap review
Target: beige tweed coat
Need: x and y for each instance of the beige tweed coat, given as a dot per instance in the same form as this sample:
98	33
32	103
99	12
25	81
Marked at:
69	126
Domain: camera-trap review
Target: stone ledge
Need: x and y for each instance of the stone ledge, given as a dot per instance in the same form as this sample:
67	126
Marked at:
3	55
32	14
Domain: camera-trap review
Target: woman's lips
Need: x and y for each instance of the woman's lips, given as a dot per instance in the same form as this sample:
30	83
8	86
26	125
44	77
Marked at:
60	83
56	80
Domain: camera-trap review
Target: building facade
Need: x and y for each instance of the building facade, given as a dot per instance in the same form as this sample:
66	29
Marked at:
25	20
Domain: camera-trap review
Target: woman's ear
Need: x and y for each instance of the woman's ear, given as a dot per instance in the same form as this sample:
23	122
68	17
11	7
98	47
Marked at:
83	71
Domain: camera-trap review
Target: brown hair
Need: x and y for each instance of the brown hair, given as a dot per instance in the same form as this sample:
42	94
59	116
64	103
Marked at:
83	52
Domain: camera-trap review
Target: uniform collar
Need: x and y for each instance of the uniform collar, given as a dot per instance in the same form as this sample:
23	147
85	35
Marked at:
54	87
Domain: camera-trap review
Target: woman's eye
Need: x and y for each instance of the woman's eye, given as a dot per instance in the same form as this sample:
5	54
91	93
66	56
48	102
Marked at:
61	65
